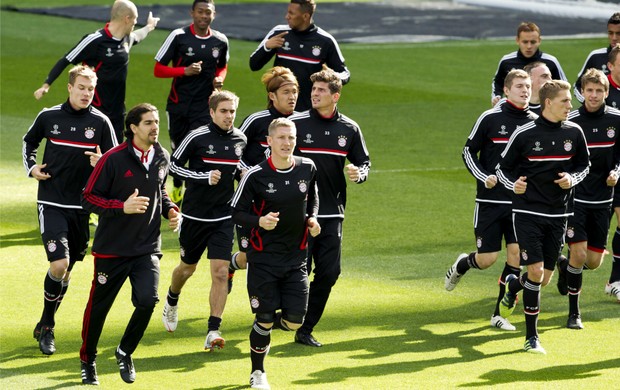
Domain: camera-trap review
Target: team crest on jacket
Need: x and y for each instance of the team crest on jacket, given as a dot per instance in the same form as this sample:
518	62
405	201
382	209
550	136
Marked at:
502	130
55	130
303	186
51	246
102	278
570	232
89	132
568	145
109	53
190	52
245	243
308	139
271	190
611	132
316	51
238	150
342	141
254	302
537	147
215	52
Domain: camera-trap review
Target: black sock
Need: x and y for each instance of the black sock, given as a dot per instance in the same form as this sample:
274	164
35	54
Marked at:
52	289
260	338
517	284
508	270
574	279
467	263
172	298
615	264
63	291
531	307
214	323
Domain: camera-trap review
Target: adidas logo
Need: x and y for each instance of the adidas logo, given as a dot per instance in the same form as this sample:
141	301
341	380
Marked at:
128	173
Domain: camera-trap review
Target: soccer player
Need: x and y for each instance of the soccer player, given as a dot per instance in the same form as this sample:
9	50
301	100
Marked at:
278	200
208	160
598	58
612	287
107	52
539	74
528	39
282	92
493	212
76	133
328	138
303	47
127	190
588	228
199	57
542	162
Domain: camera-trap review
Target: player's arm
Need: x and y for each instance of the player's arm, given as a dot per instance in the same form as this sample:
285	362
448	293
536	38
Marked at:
497	86
95	198
139	35
335	61
358	155
506	166
262	55
241	203
56	71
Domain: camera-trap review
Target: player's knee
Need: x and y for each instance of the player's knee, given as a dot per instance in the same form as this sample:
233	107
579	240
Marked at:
185	270
594	261
59	268
485	260
293	321
266	319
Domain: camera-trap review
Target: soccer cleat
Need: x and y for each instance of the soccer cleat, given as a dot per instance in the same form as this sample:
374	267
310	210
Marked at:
561	264
93	220
36	333
452	277
47	344
613	289
170	317
176	195
231	275
258	380
306	339
501	323
214	340
125	367
509	301
89	374
532	345
574	322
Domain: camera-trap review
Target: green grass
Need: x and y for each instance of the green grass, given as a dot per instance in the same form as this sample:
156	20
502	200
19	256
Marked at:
389	323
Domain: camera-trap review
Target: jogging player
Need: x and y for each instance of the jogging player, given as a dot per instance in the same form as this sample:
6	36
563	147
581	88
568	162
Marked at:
76	133
209	160
541	164
493	212
199	57
278	200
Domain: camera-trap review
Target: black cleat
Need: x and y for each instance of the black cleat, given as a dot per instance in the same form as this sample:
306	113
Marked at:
47	344
574	322
126	368
89	374
36	333
306	339
562	283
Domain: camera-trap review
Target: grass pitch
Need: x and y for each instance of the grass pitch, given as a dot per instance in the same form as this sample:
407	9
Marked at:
389	323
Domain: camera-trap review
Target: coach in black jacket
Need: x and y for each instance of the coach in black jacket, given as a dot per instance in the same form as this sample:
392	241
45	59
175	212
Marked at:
127	190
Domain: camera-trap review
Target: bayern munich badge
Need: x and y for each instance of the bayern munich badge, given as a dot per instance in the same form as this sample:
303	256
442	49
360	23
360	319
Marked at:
303	187
102	278
215	52
342	141
524	255
245	242
89	133
568	145
611	132
254	303
316	51
51	246
570	232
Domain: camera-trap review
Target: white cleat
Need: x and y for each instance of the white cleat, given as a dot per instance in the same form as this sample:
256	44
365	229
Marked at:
214	340
613	289
452	277
170	317
500	322
258	380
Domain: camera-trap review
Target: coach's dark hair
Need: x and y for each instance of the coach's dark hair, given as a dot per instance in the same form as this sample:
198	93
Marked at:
330	77
306	6
614	19
550	90
134	117
201	1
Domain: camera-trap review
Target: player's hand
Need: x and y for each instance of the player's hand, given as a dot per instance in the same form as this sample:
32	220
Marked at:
94	156
565	181
495	100
174	220
136	204
38	94
276	42
193	69
353	172
313	227
269	221
490	182
520	185
242	172
218	83
151	21
214	177
612	179
37	172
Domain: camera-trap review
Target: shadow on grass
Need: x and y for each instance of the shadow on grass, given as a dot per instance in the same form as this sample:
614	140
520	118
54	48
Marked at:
32	237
